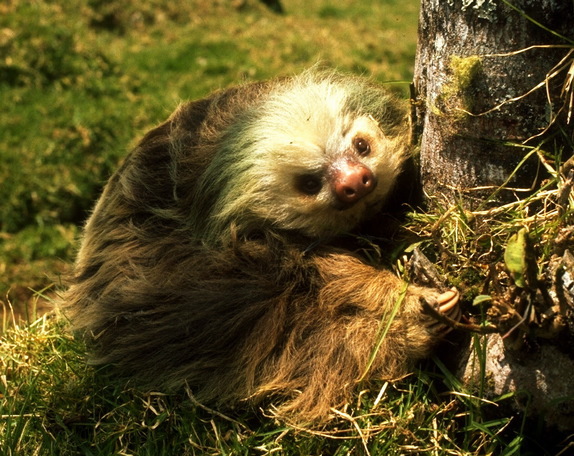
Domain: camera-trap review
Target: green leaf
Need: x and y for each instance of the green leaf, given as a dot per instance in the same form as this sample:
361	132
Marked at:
481	299
515	257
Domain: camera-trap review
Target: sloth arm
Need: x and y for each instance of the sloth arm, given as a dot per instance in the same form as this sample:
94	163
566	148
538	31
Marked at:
334	335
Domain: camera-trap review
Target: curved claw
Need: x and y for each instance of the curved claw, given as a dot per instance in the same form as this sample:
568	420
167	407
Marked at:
448	300
446	311
455	314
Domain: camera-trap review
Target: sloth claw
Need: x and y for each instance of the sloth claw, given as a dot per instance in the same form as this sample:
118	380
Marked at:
448	300
444	308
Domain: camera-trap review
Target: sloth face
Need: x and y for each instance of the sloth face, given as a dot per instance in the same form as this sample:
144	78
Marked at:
311	163
327	185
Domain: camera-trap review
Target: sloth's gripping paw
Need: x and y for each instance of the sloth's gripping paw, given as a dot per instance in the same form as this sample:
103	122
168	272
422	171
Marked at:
444	311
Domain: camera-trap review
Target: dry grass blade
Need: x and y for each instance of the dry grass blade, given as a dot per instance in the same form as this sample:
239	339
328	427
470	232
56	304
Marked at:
568	91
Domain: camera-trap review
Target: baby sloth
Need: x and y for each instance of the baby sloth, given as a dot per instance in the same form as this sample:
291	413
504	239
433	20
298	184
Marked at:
214	256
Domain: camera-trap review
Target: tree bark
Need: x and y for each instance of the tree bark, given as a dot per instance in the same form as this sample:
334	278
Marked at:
473	56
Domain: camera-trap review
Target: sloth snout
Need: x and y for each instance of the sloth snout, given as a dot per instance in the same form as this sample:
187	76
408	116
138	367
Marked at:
352	182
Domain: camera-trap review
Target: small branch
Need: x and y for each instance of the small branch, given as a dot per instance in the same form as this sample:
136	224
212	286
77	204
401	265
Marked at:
356	426
195	402
469	327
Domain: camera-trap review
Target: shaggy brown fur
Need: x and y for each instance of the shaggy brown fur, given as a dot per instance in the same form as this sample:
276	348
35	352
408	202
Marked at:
195	267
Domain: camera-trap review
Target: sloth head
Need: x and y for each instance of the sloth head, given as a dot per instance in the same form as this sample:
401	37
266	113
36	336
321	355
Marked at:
318	154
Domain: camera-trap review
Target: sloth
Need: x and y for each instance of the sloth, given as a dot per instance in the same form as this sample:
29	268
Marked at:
224	253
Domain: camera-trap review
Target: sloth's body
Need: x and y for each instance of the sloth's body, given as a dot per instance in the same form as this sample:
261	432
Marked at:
210	257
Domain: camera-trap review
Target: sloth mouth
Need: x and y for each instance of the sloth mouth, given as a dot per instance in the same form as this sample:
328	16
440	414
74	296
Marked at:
340	206
366	203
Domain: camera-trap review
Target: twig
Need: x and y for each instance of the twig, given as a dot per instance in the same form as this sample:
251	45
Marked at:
195	402
470	327
356	426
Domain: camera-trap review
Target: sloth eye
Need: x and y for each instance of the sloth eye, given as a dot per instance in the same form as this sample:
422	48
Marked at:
308	184
362	146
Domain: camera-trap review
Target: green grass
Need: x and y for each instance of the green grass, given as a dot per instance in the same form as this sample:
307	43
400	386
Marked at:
51	402
80	81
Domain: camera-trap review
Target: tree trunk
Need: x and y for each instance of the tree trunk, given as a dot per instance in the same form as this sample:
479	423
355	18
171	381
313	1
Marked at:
479	121
473	56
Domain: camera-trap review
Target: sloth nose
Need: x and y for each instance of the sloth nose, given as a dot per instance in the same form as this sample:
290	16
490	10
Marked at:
352	181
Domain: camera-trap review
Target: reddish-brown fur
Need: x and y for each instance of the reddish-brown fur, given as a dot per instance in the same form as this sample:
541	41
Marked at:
259	315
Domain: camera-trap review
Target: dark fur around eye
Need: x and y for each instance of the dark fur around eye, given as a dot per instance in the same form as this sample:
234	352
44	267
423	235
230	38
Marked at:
362	146
308	184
